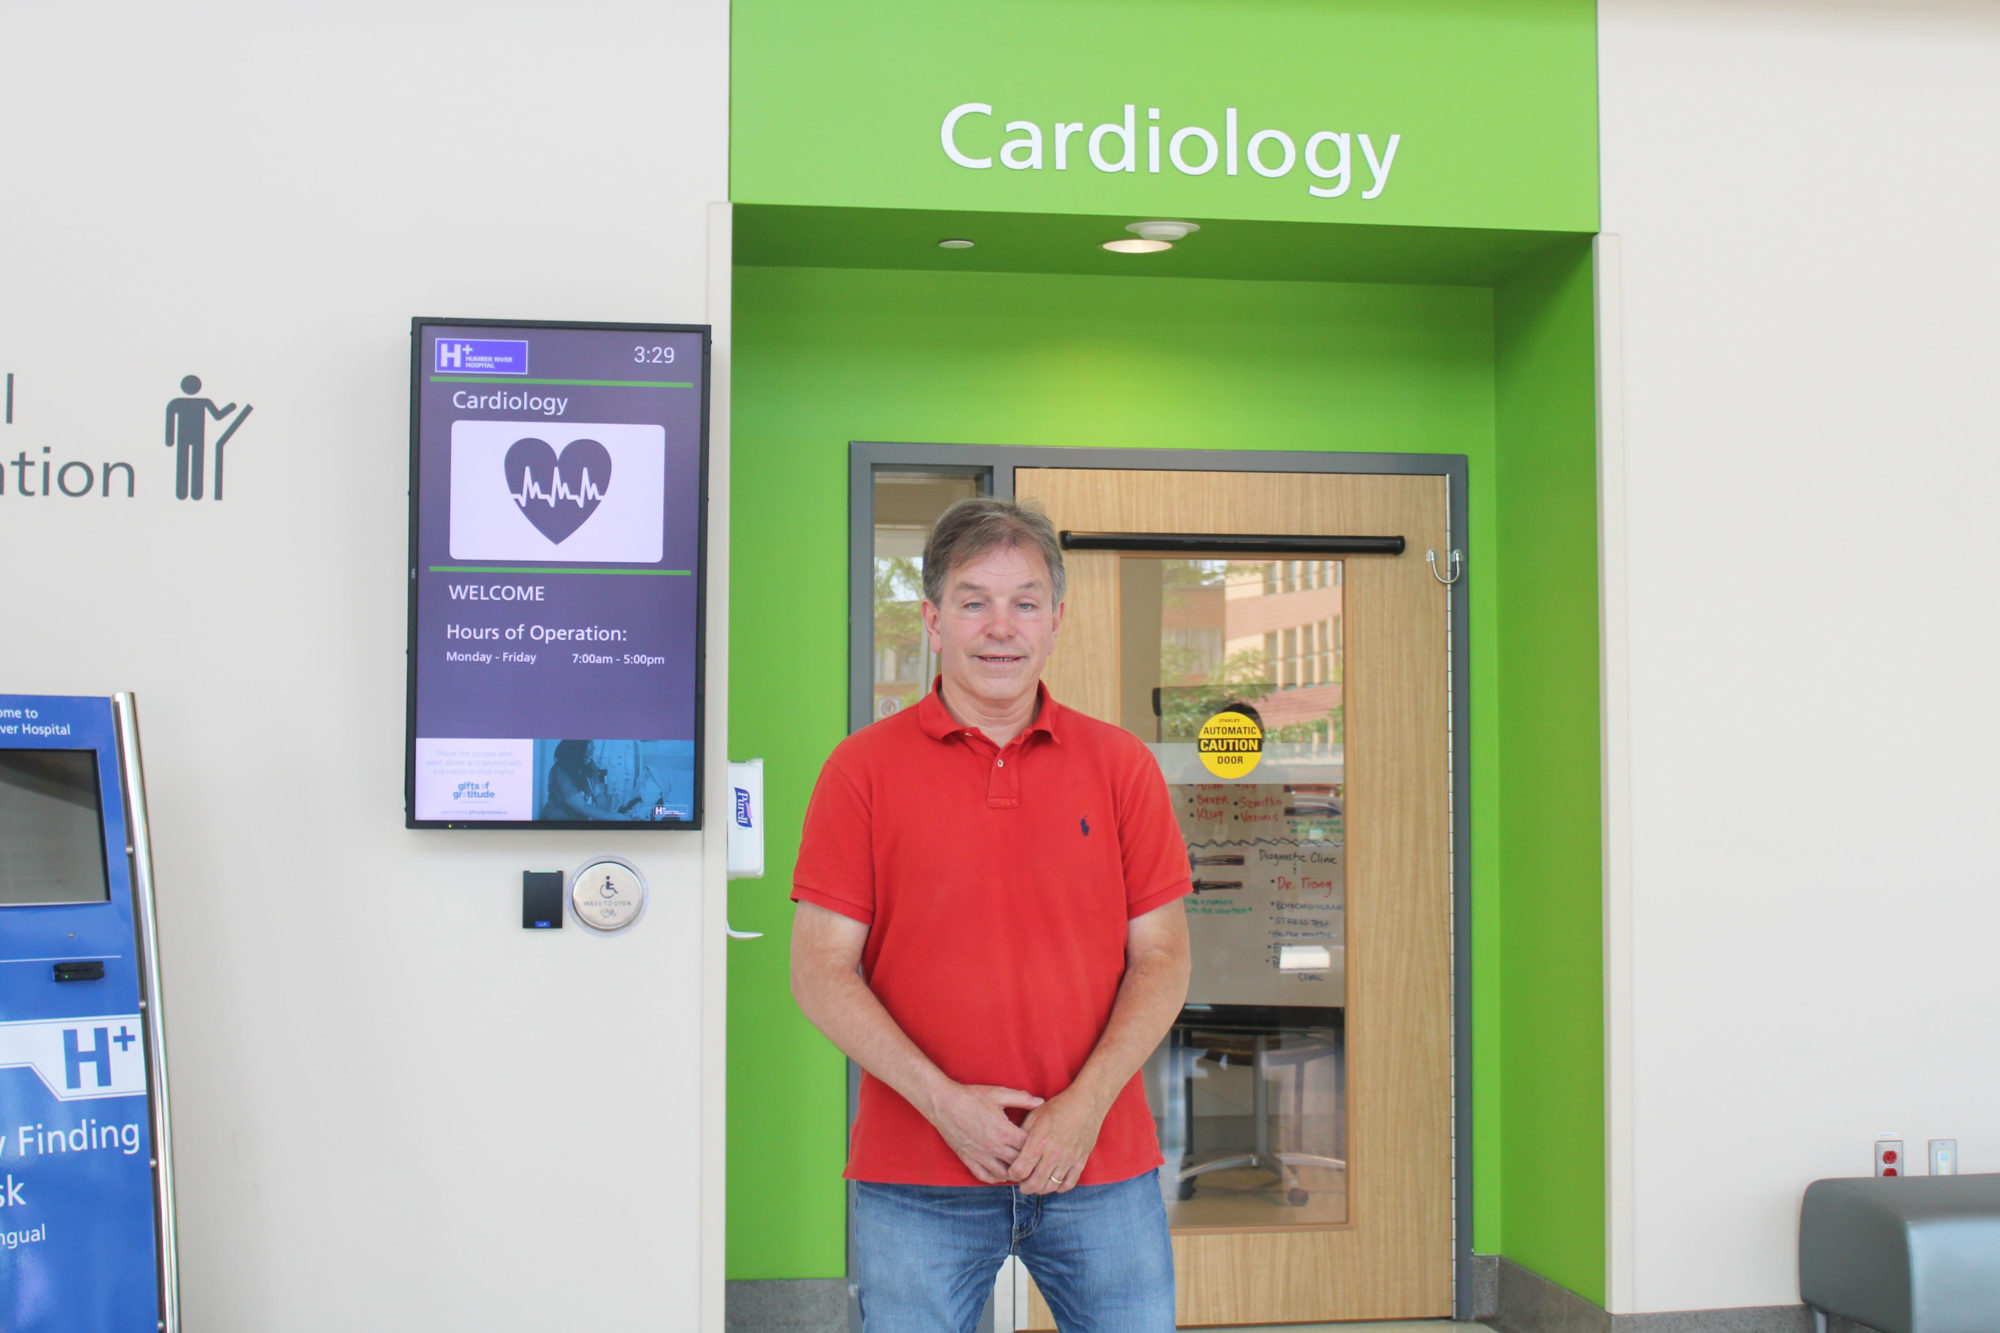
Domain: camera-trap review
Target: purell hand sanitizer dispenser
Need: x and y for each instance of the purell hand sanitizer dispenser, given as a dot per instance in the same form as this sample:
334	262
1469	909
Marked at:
746	819
746	829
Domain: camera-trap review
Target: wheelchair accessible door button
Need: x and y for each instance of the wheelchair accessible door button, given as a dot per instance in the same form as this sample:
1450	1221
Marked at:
607	895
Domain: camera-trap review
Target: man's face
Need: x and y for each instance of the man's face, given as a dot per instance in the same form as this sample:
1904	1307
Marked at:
996	627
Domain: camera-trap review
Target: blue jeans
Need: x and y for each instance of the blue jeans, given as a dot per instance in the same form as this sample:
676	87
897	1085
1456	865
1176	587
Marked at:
928	1254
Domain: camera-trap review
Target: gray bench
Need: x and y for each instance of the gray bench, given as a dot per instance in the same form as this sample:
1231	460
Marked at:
1918	1254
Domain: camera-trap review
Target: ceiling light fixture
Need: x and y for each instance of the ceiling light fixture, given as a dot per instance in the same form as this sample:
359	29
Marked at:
955	243
1152	237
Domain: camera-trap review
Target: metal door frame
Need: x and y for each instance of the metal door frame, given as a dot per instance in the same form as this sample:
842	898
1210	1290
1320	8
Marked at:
996	464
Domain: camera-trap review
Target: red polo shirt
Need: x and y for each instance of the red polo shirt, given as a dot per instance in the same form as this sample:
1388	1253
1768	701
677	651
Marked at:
997	884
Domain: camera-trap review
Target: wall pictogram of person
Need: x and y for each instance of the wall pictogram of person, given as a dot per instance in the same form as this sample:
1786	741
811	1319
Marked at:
187	434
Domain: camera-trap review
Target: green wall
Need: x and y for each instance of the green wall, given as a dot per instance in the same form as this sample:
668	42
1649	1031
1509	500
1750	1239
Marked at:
825	356
1504	376
1549	1020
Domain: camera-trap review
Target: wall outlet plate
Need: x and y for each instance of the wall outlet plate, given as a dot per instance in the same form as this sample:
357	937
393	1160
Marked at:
1944	1157
1889	1158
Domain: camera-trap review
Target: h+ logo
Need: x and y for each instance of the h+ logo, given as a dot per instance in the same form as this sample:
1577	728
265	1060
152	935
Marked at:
99	1054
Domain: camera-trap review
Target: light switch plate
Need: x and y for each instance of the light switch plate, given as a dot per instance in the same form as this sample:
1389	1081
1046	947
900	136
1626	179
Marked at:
1944	1157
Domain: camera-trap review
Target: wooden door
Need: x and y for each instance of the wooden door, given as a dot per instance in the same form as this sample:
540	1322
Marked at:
1386	1252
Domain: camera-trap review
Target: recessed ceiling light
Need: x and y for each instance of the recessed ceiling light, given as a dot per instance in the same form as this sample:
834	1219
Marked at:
955	243
1153	237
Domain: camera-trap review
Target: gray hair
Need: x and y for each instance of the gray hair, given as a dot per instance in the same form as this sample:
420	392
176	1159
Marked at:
971	528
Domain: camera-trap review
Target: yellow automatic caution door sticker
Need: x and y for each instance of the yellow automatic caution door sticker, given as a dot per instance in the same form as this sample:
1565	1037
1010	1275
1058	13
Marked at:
1231	745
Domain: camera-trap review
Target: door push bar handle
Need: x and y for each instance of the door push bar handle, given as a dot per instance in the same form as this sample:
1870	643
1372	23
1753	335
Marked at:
1231	543
83	970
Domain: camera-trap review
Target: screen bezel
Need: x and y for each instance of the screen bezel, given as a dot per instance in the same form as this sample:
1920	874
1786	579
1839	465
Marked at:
418	327
103	848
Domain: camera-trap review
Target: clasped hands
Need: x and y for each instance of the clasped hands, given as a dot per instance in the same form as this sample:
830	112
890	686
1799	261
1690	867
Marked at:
1044	1154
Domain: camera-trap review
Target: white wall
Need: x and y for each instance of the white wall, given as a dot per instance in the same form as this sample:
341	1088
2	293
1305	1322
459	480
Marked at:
395	1109
1803	198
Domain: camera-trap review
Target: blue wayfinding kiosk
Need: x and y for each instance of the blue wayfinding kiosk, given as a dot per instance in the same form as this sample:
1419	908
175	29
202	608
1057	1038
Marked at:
86	1182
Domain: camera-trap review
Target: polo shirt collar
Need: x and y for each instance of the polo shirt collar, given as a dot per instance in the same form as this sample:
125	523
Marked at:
938	723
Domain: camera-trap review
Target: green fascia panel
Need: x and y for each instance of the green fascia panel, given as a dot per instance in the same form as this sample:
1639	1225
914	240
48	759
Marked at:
783	236
1549	1153
1491	106
826	356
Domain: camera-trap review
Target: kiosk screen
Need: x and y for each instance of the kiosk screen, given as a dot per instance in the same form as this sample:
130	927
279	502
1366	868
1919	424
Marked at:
51	829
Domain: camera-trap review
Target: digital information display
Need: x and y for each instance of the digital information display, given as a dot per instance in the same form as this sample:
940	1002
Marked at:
558	497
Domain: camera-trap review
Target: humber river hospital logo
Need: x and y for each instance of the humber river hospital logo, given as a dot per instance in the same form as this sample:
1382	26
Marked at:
573	492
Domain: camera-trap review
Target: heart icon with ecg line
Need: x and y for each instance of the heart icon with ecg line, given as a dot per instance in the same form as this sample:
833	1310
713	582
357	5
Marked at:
558	492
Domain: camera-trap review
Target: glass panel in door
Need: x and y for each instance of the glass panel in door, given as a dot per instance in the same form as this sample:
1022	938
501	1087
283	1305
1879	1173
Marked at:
1249	1089
907	503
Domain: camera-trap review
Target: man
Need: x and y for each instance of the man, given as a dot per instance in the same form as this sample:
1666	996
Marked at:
990	925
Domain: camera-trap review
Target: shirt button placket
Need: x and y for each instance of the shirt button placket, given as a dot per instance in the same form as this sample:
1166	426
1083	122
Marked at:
1003	785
